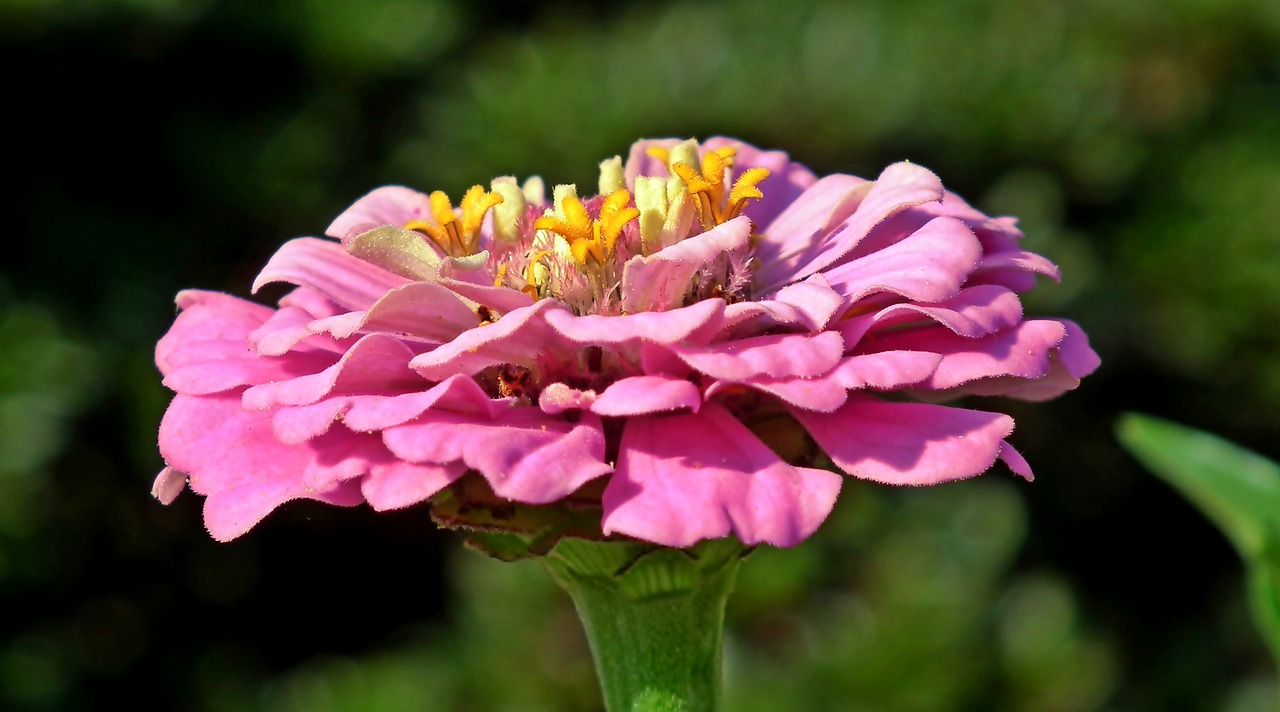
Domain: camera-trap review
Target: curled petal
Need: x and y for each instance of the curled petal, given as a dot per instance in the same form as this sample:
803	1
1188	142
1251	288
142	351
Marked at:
371	413
780	356
418	310
683	478
458	393
287	328
388	205
517	338
1022	352
645	395
526	455
374	364
327	268
900	186
206	367
692	324
500	299
1015	462
879	371
930	265
168	485
907	443
207	316
807	305
1019	266
797	236
1069	361
975	311
659	282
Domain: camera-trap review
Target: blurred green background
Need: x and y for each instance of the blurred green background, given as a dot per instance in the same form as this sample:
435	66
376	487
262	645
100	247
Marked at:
152	145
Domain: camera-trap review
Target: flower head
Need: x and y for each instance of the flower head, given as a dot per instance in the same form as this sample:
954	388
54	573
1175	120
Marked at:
678	350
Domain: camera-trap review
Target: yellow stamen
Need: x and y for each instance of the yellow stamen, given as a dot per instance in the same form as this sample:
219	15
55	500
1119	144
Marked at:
531	275
662	154
475	203
502	275
457	240
597	238
707	186
744	189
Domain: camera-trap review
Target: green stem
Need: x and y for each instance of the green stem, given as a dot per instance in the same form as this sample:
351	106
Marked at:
654	618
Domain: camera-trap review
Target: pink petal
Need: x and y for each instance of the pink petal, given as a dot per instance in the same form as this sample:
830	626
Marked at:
371	413
882	371
693	323
900	186
168	485
526	455
286	329
683	478
233	458
660	281
808	305
907	443
204	367
1069	361
418	310
779	356
998	266
798	235
973	312
327	268
375	363
930	265
208	316
645	395
499	299
457	393
397	484
230	514
298	424
821	395
517	338
388	205
885	370
1015	462
1022	352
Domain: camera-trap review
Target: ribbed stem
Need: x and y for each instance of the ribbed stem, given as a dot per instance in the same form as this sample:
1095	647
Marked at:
654	618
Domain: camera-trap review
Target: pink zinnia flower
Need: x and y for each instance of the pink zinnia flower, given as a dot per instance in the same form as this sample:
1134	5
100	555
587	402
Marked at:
693	338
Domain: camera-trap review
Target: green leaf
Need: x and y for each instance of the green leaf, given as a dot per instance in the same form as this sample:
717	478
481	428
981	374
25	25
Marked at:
1237	489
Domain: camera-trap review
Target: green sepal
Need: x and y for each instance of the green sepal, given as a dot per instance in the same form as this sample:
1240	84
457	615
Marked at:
508	530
